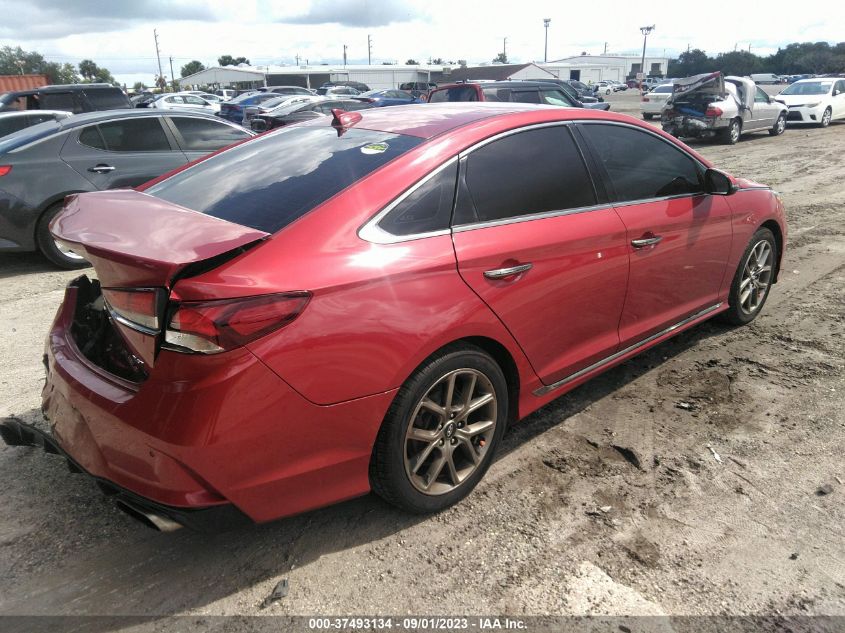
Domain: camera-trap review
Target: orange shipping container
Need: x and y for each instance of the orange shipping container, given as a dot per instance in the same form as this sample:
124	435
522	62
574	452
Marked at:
12	83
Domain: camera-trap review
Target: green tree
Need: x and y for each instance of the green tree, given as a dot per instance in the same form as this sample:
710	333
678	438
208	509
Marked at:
438	61
94	74
191	68
16	61
412	62
139	86
228	60
738	63
689	63
501	58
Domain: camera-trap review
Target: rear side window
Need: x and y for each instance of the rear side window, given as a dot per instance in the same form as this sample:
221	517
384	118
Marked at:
12	124
206	136
135	135
526	96
91	137
60	101
428	208
640	165
535	171
271	181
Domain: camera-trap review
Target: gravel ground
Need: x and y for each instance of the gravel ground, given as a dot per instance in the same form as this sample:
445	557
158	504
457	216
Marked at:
609	501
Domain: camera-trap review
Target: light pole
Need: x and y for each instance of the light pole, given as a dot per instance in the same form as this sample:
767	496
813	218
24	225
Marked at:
645	30
546	53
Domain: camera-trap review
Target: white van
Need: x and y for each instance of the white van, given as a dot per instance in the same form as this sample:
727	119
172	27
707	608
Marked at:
765	78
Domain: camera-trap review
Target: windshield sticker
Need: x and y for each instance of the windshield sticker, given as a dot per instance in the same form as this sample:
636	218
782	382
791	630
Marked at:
374	148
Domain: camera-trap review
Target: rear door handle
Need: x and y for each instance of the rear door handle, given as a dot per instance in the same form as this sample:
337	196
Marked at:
101	169
502	273
646	241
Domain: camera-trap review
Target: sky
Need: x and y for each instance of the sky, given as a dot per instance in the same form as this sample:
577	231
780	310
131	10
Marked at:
118	34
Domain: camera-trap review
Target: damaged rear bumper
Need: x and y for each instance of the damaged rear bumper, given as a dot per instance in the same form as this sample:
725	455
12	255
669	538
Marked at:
156	515
690	127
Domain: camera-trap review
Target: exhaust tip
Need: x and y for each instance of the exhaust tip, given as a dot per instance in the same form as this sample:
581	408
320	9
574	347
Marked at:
150	519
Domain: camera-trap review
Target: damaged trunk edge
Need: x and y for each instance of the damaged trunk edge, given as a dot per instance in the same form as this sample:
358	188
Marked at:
704	105
139	246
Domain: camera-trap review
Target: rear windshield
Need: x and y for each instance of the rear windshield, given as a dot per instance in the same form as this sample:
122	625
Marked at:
107	98
462	93
273	180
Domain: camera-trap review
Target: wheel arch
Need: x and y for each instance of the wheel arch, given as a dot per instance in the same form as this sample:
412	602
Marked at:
46	205
775	228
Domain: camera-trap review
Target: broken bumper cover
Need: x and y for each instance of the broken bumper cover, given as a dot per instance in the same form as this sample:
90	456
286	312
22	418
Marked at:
689	126
157	515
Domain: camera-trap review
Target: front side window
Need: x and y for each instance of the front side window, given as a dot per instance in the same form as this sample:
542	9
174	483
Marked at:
760	96
206	136
460	93
530	172
60	101
428	208
640	165
135	135
273	180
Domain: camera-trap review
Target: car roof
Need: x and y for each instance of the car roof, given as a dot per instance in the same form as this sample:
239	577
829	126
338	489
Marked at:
86	118
9	115
432	119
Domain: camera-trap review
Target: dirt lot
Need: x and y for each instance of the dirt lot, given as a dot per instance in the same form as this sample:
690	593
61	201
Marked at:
611	500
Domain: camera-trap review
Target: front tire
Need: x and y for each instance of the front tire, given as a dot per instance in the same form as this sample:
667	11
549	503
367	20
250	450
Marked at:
780	126
826	117
57	255
753	279
441	432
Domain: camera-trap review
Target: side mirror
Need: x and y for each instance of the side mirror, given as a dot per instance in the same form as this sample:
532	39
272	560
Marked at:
718	183
836	92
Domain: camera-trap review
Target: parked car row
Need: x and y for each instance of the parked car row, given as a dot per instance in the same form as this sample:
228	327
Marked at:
483	258
714	106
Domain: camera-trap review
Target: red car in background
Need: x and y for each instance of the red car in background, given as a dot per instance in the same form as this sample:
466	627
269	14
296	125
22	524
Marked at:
364	302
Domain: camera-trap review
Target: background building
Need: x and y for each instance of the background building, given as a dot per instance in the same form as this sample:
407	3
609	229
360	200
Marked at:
12	83
593	68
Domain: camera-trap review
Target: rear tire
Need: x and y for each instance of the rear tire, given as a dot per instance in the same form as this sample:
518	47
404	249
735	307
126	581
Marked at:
441	432
731	134
753	279
780	126
47	245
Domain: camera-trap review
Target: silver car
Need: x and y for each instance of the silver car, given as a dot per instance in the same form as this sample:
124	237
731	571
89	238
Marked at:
711	105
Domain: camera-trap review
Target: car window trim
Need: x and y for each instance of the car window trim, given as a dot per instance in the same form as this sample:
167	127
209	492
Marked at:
170	140
371	232
608	184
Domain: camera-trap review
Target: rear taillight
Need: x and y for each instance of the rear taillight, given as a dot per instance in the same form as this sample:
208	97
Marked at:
136	308
713	111
5	169
211	327
644	99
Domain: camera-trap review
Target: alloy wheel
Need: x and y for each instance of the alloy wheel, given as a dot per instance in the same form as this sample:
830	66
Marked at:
781	124
450	431
826	117
734	132
756	277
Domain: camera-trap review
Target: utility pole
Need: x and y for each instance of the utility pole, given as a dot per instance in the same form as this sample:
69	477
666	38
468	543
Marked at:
369	51
605	49
344	55
172	76
505	50
297	59
645	30
546	22
158	56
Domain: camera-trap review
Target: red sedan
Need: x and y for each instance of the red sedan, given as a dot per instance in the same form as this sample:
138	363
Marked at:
364	302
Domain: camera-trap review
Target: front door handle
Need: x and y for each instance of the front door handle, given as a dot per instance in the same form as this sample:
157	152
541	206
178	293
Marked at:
502	273
101	169
646	241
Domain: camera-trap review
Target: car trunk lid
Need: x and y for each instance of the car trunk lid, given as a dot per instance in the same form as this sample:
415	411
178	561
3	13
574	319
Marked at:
133	239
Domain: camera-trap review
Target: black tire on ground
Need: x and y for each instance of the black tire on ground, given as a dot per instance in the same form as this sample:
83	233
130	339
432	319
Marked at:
826	116
647	116
736	314
779	126
730	135
47	245
388	475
